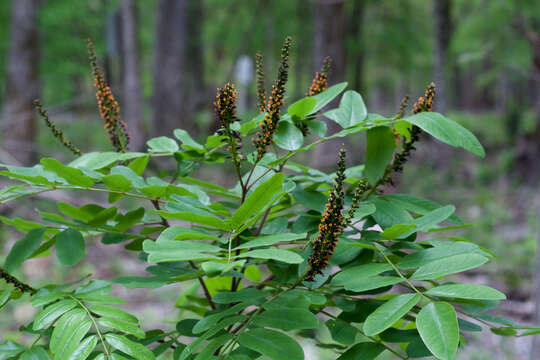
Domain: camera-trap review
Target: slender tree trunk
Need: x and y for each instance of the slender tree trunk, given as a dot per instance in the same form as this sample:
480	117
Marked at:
535	346
22	85
329	33
355	55
303	64
131	84
330	36
198	93
442	31
169	99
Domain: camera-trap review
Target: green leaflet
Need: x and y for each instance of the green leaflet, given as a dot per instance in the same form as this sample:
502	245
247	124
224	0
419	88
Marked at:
288	136
126	327
68	332
287	319
35	353
69	247
351	111
178	250
272	344
113	312
302	107
162	144
258	200
72	175
447	131
24	248
448	265
122	343
438	327
282	255
390	312
466	291
380	146
364	351
52	312
271	240
85	348
325	97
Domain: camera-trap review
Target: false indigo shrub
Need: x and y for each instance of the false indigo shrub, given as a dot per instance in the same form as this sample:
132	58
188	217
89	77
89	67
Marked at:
294	248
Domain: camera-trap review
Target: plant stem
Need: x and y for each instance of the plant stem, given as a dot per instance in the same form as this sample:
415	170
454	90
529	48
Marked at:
260	309
399	272
98	331
369	337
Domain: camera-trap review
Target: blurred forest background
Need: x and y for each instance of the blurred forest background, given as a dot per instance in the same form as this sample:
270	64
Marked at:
165	58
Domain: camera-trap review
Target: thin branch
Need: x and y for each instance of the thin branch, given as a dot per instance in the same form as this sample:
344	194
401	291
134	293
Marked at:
369	337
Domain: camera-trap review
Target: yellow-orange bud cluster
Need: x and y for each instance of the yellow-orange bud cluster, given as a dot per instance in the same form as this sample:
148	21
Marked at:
320	80
225	104
225	108
425	103
109	109
331	225
269	125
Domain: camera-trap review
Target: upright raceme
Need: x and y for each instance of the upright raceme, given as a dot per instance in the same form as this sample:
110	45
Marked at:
58	133
320	80
425	103
331	225
421	105
261	90
268	126
109	110
225	108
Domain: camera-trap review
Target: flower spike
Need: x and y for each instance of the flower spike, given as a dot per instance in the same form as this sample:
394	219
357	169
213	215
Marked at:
58	133
320	80
261	91
269	125
225	108
331	225
109	109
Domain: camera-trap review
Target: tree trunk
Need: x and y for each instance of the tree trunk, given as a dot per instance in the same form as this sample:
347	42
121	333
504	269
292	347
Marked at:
329	33
169	100
330	36
355	55
535	346
198	95
303	64
442	31
131	84
22	85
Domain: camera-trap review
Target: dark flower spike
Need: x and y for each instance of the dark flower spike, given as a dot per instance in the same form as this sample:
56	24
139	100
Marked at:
331	225
269	125
58	133
225	108
320	80
402	107
361	188
109	110
423	104
261	90
10	279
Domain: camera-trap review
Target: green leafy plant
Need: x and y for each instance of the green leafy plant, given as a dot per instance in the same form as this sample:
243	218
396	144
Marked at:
288	251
